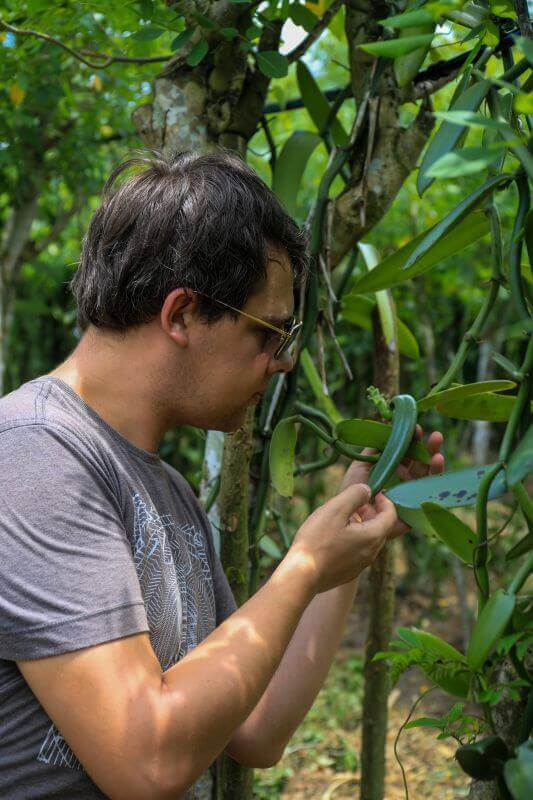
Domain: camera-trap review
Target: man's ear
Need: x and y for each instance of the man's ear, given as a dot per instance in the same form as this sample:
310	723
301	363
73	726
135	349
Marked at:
176	314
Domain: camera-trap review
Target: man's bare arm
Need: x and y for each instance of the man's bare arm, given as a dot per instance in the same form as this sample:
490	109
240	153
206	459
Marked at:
144	734
297	681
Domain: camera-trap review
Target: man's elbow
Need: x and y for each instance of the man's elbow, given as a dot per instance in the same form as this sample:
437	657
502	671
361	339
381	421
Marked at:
255	755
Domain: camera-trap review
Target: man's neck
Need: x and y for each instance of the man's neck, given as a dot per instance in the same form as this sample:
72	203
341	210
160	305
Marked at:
103	371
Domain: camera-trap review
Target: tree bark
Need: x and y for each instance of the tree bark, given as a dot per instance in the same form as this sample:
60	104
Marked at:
380	612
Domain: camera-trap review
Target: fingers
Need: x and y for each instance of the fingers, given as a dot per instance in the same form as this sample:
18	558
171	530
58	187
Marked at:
386	516
350	499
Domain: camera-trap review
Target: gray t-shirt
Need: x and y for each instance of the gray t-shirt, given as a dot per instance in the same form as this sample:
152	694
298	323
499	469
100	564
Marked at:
99	539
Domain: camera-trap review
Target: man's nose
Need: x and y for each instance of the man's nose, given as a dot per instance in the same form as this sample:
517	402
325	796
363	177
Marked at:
285	363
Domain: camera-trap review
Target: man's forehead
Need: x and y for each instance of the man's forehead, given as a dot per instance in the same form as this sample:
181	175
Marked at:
274	302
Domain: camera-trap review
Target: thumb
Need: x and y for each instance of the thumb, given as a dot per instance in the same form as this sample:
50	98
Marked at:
350	499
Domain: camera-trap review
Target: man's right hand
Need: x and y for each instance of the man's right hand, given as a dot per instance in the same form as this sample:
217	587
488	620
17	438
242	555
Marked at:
334	546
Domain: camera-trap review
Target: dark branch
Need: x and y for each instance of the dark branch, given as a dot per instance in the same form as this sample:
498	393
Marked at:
524	20
313	35
107	59
426	82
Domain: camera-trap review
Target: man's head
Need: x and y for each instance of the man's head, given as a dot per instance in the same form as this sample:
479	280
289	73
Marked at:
179	235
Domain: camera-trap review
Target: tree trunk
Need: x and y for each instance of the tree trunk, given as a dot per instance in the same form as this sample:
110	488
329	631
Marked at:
380	612
15	237
506	717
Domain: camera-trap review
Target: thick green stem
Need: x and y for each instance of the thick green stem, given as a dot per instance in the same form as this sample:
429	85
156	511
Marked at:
521	576
524	500
469	338
482	548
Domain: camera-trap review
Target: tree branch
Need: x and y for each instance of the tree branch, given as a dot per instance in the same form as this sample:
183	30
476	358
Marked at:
108	59
524	20
313	35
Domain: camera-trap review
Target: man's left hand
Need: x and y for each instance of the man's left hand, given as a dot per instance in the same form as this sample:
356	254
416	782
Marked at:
407	470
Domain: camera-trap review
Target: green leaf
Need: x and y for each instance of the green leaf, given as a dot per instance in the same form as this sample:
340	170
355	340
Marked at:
369	433
525	46
425	722
518	772
521	461
448	223
448	135
317	104
467	161
470	119
290	167
147	34
182	39
272	64
490	625
407	67
386	310
392	48
452	531
450	489
229	33
409	19
301	16
430	643
465	390
487	406
391	273
324	401
204	21
520	548
358	310
200	49
523	103
482	760
281	457
269	546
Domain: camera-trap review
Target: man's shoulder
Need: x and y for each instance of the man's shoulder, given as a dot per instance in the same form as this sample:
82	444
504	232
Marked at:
21	406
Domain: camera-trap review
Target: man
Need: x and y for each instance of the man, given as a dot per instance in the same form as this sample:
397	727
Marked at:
125	667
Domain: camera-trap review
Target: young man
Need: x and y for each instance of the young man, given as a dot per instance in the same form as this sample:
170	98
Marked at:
125	667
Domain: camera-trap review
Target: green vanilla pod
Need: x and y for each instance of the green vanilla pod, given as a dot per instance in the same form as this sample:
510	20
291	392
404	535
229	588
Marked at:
404	419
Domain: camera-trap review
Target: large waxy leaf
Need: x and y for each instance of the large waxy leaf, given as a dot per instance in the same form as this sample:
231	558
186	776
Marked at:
200	49
281	457
429	643
323	400
470	119
452	531
409	19
359	311
521	461
272	64
290	167
448	135
519	771
391	273
466	161
444	674
455	216
451	489
393	48
386	309
369	433
523	546
482	760
490	625
317	104
487	406
465	390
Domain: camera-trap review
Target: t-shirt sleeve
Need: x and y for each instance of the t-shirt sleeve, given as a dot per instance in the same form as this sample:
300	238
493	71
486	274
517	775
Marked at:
66	566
